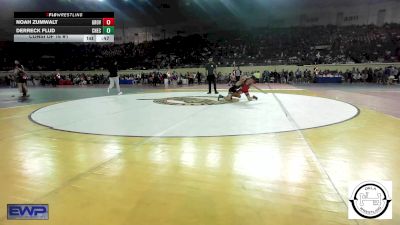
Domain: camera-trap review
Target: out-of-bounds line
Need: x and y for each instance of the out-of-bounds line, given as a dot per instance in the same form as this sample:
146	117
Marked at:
298	130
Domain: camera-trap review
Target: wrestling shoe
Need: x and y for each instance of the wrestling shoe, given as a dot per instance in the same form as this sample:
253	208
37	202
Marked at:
120	93
255	97
216	92
208	93
220	96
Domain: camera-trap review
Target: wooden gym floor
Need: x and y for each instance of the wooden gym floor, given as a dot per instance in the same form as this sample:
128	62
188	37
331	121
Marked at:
297	177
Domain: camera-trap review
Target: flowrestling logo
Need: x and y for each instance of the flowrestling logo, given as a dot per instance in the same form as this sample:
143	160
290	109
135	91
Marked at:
370	200
27	212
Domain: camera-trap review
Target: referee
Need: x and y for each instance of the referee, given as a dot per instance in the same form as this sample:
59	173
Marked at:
211	75
114	78
21	78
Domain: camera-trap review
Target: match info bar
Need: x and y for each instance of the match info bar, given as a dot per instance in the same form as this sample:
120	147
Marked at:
62	38
64	26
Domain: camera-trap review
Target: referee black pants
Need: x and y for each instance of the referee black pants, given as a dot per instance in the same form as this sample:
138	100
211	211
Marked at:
211	79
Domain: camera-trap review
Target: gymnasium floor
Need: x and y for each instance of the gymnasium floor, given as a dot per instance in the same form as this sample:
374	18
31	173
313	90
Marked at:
280	162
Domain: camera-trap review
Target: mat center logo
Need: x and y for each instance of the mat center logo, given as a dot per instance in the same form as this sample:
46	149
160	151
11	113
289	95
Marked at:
192	100
370	200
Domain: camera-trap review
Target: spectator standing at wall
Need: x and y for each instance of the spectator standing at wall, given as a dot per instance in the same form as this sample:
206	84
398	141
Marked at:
349	76
191	78
386	75
198	76
298	76
237	73
154	80
266	76
32	79
232	78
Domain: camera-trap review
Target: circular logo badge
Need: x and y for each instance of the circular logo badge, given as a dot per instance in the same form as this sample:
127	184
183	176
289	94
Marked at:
196	100
370	199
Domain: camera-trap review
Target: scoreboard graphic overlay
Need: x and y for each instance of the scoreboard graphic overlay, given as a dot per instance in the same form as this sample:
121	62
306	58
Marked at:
64	26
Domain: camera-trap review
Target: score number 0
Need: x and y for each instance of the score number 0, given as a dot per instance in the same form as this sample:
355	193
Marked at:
108	21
